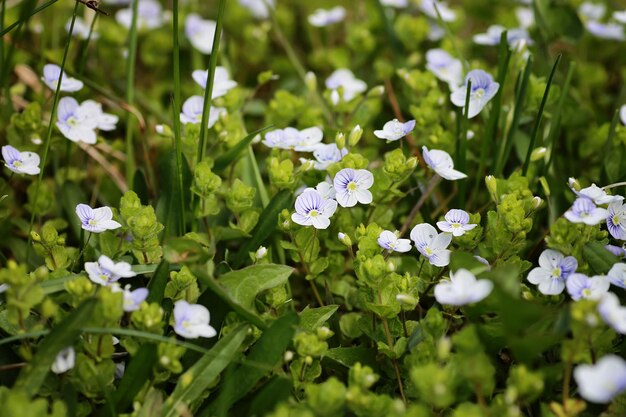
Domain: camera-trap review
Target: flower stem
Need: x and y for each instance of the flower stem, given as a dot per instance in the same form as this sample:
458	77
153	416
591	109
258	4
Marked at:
130	95
409	220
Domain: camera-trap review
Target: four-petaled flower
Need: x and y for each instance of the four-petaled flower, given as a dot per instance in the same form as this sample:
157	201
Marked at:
445	67
51	75
597	195
305	140
430	8
581	286
192	320
552	271
192	111
514	37
258	9
313	210
322	17
441	162
149	15
612	312
483	89
64	361
433	245
96	220
134	298
200	32
602	382
106	271
617	275
457	223
221	81
584	211
394	129
326	154
350	85
352	186
463	288
390	241
20	162
78	123
616	220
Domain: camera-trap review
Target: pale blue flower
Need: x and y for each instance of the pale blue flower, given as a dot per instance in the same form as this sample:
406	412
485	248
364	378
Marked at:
394	129
221	81
484	88
390	241
64	361
603	381
192	112
445	67
592	11
192	320
79	123
584	211
200	32
313	210
326	154
525	17
616	220
51	75
462	288
352	186
96	220
428	8
514	37
597	194
398	4
106	271
133	299
620	16
20	162
322	17
457	223
350	85
612	312
149	15
581	286
441	162
618	251
432	245
611	31
617	275
81	29
258	8
553	270
306	140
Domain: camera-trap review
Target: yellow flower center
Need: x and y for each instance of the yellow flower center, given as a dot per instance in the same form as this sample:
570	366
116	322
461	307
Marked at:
351	186
615	220
17	163
314	213
428	251
479	93
556	272
586	292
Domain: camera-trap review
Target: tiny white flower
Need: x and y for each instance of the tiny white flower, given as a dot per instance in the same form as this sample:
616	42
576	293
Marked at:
322	17
592	11
326	154
390	241
96	220
192	320
200	32
553	270
350	85
398	4
441	162
394	129
525	17
597	194
222	82
433	245
617	275
581	286
192	112
51	75
81	29
483	89
622	114
325	189
514	37
134	298
258	8
64	361
261	252
106	271
584	211
149	15
611	31
352	187
620	16
79	122
457	223
616	220
602	382
430	7
305	140
612	312
463	288
20	162
313	210
445	67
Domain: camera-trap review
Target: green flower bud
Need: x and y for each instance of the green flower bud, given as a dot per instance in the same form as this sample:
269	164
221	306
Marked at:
538	153
340	140
355	135
345	239
310	80
376	92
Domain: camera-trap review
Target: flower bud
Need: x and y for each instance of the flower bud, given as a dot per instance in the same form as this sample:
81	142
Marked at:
324	333
537	201
375	92
311	81
355	135
288	356
308	360
35	236
340	140
406	300
574	184
443	347
261	252
545	186
538	153
492	186
345	239
164	130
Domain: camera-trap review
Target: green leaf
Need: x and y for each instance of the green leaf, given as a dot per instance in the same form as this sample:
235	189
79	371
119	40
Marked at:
156	286
245	284
264	356
168	209
600	259
312	318
180	250
227	158
32	376
266	225
192	384
272	393
137	372
556	18
71	196
349	356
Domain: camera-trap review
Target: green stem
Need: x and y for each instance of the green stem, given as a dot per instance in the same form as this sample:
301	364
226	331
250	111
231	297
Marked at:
83	58
556	124
461	144
46	148
21	20
176	118
130	95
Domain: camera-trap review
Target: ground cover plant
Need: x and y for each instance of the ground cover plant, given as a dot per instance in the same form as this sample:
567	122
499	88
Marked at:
333	208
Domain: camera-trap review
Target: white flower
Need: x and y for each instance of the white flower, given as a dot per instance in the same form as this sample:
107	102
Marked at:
321	17
394	129
258	8
133	299
398	4
20	162
441	163
584	211
463	288
612	312
64	361
192	320
305	140
149	15
350	85
78	123
431	244
581	286
260	253
313	210
326	154
428	8
192	112
390	241
445	67
221	81
457	223
622	114
96	220
483	89
514	37
81	29
105	271
51	75
597	194
352	186
612	31
525	17
325	189
592	11
620	16
616	220
200	32
601	382
617	275
553	270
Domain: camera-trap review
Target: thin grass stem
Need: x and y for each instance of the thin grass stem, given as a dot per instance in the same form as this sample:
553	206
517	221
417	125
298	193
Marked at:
176	118
555	129
130	95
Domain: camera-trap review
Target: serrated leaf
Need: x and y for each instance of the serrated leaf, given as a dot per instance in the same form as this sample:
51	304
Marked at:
193	383
245	284
312	318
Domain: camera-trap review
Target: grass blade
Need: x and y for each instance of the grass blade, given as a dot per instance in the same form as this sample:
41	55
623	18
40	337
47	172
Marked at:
156	286
176	119
135	376
556	124
461	144
130	94
224	160
535	131
22	19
